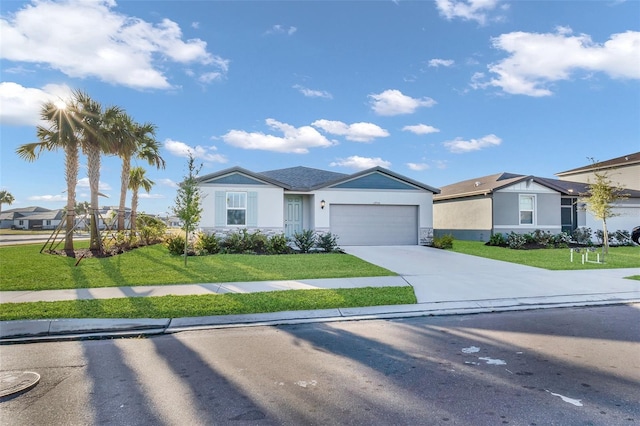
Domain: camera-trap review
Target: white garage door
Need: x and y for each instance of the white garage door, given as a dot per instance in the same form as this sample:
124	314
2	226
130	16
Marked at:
371	225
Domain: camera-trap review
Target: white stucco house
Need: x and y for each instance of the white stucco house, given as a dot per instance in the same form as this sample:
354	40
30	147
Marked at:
371	207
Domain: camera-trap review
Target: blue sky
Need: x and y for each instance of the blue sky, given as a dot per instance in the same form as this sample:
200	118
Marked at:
438	91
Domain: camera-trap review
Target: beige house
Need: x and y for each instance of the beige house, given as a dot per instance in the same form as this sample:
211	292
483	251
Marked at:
624	171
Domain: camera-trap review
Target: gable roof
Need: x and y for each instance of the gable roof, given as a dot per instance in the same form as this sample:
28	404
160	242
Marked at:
488	184
306	179
625	160
479	186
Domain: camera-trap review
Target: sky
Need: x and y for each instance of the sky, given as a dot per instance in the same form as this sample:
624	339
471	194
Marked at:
438	91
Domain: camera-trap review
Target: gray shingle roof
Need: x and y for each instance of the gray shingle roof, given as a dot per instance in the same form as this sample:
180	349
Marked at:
303	178
625	160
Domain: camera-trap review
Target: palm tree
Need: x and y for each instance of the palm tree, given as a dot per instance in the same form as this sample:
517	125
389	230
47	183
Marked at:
134	140
94	141
137	180
6	198
62	133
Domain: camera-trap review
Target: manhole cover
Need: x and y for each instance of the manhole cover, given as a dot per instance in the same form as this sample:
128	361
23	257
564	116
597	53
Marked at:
17	381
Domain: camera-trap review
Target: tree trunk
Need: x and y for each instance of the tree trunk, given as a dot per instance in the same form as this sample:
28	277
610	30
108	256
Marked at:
605	237
93	170
124	186
134	210
71	176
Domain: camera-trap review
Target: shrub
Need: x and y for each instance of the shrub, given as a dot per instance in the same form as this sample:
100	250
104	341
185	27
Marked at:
543	238
328	242
621	238
582	235
443	242
257	242
236	242
150	229
207	243
175	245
561	240
497	240
277	244
516	241
304	240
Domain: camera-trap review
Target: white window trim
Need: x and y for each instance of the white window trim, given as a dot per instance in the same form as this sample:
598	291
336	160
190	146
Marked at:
227	208
533	211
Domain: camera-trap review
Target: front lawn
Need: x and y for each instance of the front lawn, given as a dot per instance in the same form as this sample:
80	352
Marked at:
211	304
22	267
552	259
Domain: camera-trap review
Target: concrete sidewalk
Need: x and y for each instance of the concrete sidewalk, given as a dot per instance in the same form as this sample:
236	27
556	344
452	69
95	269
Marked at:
445	283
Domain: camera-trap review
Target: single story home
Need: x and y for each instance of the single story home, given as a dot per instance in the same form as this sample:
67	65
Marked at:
477	208
371	207
31	218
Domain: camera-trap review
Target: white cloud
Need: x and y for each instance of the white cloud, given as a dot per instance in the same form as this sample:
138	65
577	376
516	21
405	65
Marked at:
208	77
420	129
151	196
89	39
102	186
418	166
467	10
280	29
48	198
181	149
441	62
296	140
459	145
357	132
537	60
360	163
167	182
393	102
313	93
21	105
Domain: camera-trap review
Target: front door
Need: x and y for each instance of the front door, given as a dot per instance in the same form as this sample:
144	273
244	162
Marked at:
293	215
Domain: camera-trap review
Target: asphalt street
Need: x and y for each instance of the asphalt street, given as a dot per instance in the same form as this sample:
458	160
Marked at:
572	366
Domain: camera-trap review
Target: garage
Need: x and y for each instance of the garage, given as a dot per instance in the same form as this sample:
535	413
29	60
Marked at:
368	225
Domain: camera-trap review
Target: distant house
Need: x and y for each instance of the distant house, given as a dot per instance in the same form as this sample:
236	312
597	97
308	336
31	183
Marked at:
372	207
623	170
475	209
34	218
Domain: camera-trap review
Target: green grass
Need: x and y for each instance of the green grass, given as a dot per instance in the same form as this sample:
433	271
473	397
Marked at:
22	267
552	259
206	305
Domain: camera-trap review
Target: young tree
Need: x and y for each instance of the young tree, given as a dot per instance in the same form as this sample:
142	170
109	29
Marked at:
6	198
188	202
599	201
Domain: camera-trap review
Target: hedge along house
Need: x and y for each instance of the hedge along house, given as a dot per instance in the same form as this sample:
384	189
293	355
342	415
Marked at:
477	208
371	207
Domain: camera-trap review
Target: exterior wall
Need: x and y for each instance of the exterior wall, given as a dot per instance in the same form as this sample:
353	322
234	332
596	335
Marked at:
628	177
506	211
270	206
465	219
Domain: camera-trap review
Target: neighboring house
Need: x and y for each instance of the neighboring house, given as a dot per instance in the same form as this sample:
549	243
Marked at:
372	207
624	171
107	218
505	202
31	218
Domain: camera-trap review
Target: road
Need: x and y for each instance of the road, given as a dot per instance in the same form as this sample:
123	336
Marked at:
546	367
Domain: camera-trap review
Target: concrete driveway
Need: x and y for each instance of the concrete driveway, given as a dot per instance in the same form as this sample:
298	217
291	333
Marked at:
444	276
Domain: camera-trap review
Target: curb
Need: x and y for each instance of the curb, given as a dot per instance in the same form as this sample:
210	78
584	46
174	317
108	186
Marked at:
26	331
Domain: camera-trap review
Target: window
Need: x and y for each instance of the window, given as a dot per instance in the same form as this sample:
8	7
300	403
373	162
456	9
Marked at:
236	208
527	203
47	222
